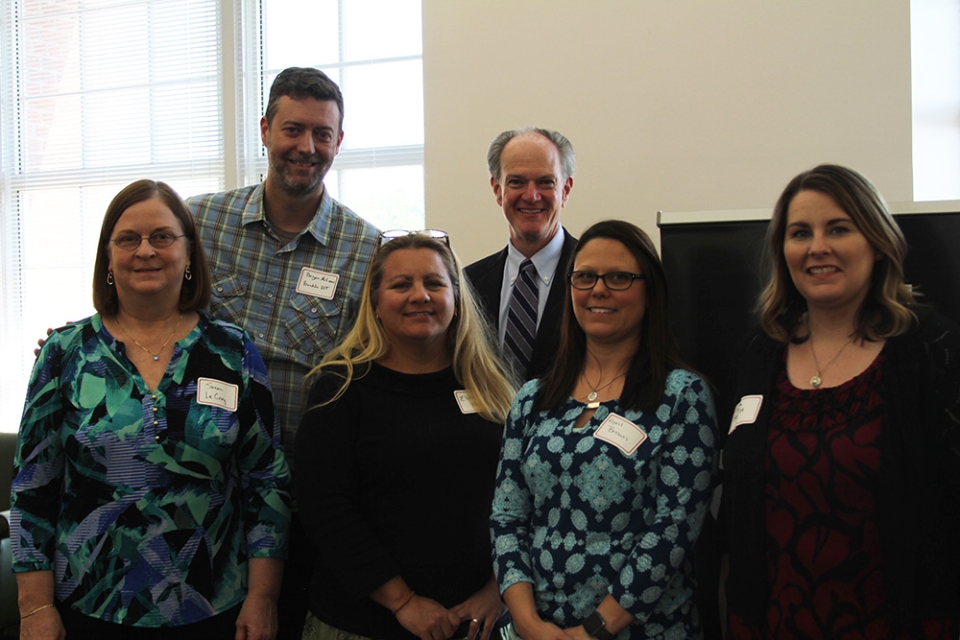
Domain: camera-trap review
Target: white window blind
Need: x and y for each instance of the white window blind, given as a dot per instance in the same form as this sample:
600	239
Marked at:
373	50
97	93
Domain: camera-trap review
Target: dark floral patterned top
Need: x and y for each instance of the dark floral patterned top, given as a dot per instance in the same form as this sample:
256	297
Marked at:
146	505
823	544
583	513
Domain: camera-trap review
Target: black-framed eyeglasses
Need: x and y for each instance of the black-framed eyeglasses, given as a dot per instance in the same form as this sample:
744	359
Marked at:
158	240
393	234
613	280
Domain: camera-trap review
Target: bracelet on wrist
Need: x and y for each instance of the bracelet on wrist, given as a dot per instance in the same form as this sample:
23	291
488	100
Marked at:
37	610
404	603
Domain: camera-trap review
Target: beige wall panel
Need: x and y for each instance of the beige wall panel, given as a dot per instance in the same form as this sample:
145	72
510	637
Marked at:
680	106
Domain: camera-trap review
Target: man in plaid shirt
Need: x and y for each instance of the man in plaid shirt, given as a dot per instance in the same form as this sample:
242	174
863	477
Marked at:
288	264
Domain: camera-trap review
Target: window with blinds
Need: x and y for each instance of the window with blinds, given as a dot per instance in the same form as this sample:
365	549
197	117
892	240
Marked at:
373	50
97	93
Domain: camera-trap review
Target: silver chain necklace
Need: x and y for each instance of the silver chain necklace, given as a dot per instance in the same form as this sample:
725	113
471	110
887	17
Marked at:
817	380
595	391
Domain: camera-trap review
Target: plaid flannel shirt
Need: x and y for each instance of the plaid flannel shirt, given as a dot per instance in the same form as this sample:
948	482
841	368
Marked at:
255	285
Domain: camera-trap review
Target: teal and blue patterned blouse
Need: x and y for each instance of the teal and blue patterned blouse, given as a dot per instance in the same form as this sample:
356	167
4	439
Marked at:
146	505
581	518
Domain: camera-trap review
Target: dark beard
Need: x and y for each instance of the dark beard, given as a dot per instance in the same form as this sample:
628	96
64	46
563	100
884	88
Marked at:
298	189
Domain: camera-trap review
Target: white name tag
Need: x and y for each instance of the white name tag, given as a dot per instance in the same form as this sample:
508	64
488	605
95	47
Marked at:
319	284
463	399
217	394
621	433
746	412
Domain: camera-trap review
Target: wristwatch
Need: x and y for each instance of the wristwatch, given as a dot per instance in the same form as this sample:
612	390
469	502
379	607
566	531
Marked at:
596	627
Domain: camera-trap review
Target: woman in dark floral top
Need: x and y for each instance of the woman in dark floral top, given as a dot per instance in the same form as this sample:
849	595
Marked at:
842	460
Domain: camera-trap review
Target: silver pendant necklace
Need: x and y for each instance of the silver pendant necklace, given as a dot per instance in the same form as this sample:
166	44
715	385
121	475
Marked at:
595	391
817	380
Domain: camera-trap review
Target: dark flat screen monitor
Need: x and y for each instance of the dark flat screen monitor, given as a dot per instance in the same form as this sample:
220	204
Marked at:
714	265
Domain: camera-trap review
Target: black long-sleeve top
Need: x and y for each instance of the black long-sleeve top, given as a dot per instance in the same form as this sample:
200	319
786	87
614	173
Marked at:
394	479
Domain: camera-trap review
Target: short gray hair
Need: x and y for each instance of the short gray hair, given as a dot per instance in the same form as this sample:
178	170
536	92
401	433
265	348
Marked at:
568	161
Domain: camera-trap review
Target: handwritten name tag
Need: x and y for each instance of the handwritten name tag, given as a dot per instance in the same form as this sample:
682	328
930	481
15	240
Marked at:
621	433
217	394
319	284
463	399
746	412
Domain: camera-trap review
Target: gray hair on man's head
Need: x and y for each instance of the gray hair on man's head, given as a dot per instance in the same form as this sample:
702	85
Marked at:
568	161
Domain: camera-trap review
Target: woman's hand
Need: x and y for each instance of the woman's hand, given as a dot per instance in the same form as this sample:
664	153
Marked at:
542	630
526	620
258	615
257	619
39	618
578	633
485	606
43	625
427	619
615	619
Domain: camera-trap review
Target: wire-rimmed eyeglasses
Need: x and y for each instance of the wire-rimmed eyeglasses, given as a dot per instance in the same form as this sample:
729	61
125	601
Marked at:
393	234
157	240
613	280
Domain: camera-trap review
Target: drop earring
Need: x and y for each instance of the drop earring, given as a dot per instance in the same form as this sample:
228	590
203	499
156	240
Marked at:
110	278
186	274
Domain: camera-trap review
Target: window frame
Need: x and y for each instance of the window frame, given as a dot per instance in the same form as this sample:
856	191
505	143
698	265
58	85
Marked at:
242	92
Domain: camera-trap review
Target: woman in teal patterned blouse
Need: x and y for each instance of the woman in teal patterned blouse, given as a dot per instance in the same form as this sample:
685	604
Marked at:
606	465
150	492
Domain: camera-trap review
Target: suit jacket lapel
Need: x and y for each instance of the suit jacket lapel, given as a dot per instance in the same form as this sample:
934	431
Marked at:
548	332
488	285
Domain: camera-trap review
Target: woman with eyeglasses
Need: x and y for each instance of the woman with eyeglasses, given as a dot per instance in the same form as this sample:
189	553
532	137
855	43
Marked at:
395	458
151	495
605	471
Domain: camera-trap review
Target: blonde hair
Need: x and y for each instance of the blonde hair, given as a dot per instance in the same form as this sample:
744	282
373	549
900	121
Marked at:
475	363
886	311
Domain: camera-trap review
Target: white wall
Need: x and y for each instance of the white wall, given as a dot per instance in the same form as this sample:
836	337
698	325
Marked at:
678	105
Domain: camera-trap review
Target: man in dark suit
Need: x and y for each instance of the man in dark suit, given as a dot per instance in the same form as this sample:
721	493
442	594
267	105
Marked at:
531	172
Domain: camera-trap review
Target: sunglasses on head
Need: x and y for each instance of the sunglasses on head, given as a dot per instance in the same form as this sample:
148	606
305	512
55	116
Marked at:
393	234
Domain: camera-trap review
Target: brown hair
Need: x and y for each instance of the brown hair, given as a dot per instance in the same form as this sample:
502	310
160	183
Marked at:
303	82
194	293
885	311
658	353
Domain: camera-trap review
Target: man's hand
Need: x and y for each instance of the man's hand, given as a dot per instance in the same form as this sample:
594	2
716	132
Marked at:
41	342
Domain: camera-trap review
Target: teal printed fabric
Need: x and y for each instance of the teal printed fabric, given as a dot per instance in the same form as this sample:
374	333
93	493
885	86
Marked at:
580	518
256	277
146	506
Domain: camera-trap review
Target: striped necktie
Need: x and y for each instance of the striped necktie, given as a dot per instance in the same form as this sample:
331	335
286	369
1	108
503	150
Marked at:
521	327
